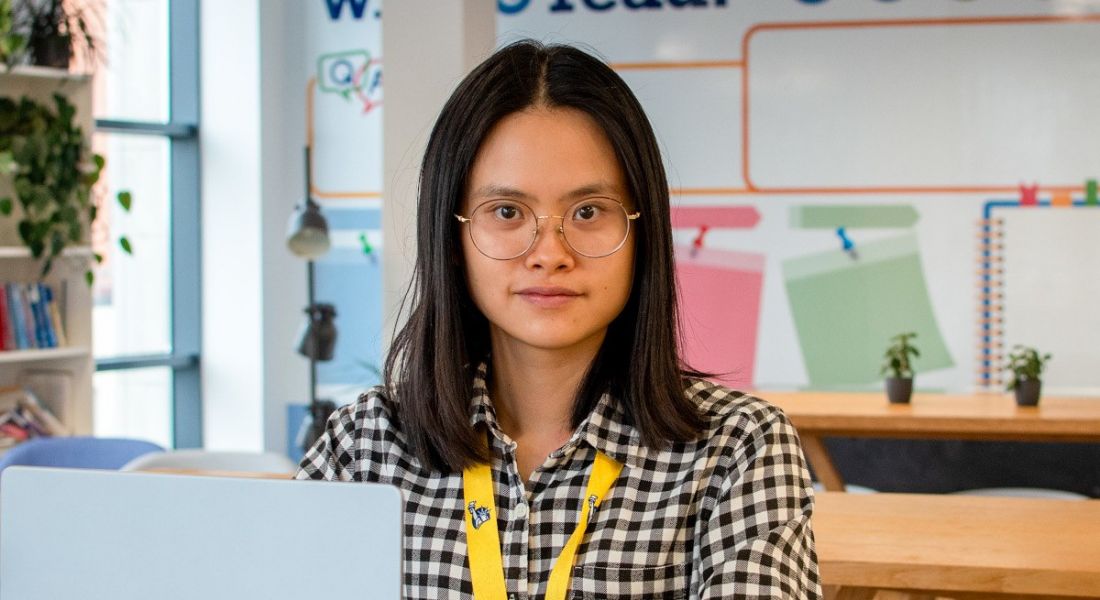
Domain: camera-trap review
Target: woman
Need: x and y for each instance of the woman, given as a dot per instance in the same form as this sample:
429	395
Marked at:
535	414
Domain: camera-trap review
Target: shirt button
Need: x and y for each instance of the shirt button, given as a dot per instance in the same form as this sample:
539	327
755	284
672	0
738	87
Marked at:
521	510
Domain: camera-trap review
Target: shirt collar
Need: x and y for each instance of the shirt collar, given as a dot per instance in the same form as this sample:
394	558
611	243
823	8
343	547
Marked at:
604	429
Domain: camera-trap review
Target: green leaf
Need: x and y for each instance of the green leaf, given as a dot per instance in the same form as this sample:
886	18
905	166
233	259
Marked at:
5	206
99	161
98	258
126	199
89	277
125	244
8	166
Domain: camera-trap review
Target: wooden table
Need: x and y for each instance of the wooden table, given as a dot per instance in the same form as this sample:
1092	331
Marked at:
921	546
964	547
930	416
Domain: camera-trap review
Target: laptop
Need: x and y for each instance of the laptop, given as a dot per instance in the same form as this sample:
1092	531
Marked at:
84	534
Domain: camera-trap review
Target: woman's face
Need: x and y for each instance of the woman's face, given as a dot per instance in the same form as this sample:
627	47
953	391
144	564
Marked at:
551	297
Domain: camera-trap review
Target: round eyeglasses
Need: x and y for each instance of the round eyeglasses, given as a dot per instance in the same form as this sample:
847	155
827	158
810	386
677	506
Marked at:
507	229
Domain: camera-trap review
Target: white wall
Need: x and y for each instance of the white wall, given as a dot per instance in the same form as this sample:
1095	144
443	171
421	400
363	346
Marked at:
253	288
428	47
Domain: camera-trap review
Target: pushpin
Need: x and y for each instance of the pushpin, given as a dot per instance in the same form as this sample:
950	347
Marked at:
697	243
1090	193
1029	194
367	248
1061	198
846	243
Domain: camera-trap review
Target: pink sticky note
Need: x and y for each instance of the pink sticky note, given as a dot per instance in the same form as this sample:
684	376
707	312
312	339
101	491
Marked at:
720	293
732	217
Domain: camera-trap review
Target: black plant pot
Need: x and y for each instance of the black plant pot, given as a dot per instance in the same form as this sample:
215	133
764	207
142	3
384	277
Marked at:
1027	392
51	51
899	389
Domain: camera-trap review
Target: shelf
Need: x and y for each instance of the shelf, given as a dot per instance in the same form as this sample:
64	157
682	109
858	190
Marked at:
49	73
24	252
8	357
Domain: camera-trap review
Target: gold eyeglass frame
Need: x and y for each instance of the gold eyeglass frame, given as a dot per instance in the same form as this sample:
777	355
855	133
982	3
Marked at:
630	217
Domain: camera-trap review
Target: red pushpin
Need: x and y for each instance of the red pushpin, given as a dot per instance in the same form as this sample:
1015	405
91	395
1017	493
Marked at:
697	243
1029	195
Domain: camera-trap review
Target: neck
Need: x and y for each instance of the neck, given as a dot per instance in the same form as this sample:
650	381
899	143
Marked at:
534	390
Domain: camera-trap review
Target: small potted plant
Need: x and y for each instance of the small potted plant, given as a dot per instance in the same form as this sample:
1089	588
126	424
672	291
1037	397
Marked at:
899	369
56	29
1026	365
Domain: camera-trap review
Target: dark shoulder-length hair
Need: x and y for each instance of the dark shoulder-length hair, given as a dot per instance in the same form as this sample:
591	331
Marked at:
431	363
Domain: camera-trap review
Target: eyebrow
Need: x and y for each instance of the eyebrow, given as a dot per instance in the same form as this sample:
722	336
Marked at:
502	191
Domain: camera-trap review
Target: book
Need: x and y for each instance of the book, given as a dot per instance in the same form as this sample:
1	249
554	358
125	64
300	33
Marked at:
9	429
51	388
31	292
5	324
15	311
41	417
54	314
28	315
44	293
22	417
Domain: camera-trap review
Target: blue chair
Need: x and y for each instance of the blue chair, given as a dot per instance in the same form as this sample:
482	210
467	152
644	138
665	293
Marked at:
77	452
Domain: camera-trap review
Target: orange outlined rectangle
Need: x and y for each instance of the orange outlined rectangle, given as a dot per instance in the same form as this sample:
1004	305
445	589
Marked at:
838	148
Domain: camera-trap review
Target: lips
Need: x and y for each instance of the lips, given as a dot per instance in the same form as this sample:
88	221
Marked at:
548	296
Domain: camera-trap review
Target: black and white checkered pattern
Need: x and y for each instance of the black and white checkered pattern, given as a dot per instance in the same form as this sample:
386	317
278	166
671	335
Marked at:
727	516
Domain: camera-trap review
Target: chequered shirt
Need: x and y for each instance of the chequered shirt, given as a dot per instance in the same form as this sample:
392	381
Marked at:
725	516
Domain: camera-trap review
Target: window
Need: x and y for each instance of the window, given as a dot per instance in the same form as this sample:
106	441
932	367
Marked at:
146	317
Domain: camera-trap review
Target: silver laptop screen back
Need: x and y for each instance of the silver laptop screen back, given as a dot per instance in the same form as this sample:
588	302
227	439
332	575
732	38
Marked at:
130	536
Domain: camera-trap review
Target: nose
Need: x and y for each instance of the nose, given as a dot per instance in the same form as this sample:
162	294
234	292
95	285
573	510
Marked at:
550	251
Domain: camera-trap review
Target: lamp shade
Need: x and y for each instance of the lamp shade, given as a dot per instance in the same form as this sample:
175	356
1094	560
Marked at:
307	231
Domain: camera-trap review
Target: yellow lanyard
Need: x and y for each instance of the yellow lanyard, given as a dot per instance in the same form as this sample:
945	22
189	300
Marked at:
483	541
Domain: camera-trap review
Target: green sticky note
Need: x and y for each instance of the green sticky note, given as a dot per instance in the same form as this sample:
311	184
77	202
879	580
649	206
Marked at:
845	311
855	216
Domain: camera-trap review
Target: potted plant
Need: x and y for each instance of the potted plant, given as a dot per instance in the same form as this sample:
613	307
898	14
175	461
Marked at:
54	30
45	154
11	41
899	383
1026	365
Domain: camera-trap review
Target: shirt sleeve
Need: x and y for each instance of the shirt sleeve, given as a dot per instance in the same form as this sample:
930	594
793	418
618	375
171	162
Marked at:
757	542
333	452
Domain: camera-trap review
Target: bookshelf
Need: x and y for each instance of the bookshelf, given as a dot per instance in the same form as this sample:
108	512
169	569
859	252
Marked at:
72	366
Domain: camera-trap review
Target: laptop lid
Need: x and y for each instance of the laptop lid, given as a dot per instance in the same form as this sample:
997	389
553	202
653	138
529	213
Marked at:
86	534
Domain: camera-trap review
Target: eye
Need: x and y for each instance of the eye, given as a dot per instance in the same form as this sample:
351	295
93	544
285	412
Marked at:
587	212
507	212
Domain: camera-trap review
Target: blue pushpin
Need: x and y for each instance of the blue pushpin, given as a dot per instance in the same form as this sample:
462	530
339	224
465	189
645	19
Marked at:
376	81
847	244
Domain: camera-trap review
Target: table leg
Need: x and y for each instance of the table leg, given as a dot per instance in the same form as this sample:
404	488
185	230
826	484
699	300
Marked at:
822	463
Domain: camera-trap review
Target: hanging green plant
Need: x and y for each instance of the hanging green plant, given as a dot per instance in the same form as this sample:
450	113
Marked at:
52	170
